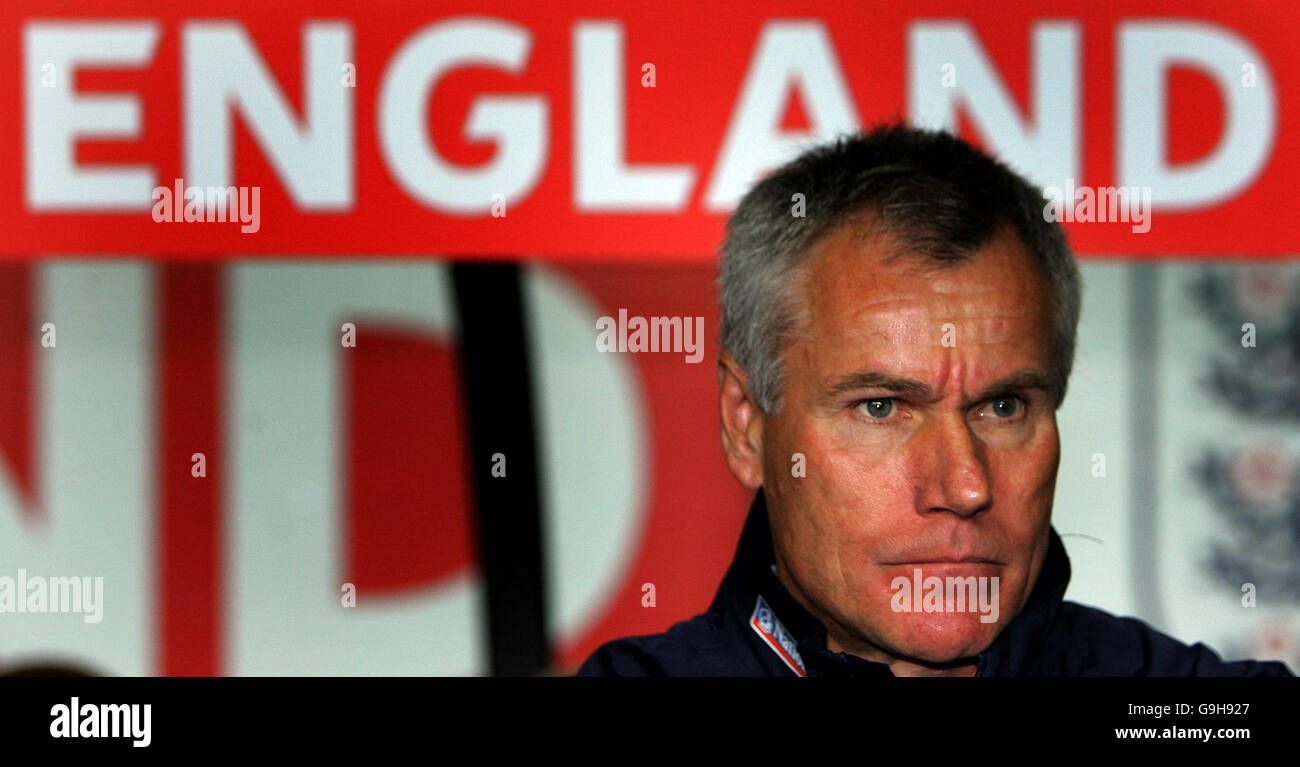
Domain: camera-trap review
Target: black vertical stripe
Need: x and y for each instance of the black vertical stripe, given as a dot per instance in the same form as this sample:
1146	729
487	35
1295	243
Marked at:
497	383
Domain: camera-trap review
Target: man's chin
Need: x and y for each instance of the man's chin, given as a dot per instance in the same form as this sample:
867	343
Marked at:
941	638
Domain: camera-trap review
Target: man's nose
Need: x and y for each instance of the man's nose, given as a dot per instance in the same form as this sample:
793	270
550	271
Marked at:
955	477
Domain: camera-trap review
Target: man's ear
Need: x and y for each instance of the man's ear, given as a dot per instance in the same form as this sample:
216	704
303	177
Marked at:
742	423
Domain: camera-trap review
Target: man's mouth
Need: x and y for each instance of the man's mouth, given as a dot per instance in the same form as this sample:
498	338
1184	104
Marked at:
947	560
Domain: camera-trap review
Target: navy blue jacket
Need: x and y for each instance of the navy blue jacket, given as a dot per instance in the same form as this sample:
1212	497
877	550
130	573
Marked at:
755	628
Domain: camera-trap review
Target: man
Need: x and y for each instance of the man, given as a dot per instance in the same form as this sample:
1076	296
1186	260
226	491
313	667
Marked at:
898	327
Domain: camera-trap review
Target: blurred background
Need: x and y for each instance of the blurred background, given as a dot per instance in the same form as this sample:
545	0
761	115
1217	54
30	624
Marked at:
365	427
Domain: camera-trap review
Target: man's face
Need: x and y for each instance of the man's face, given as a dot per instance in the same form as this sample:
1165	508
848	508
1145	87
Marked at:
921	401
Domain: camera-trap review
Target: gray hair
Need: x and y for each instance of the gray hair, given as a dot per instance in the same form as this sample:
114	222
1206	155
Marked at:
940	198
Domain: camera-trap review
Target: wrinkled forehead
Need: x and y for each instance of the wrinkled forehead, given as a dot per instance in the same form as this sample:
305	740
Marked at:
860	294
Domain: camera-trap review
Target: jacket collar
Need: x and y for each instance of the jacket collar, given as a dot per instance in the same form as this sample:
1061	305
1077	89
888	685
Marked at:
752	576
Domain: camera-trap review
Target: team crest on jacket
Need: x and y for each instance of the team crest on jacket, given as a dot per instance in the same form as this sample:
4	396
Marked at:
770	629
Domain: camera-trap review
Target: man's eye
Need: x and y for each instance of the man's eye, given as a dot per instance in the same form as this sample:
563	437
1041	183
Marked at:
877	408
1003	407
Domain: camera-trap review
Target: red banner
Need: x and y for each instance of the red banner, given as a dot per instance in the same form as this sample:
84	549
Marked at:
570	130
